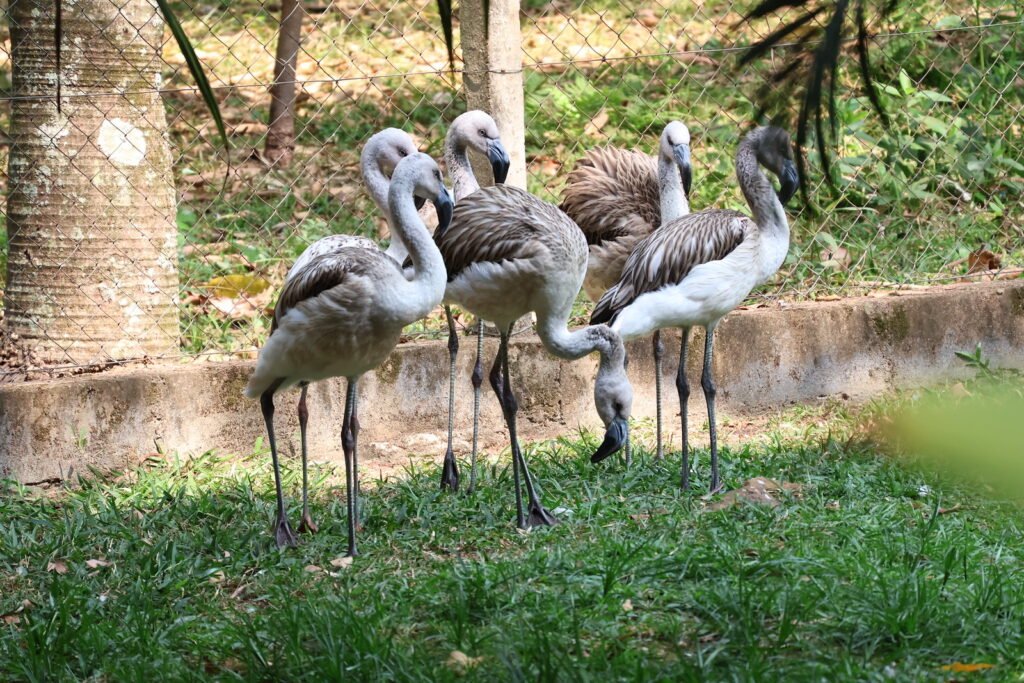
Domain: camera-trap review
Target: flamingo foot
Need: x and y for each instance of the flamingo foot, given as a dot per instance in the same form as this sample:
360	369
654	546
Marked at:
283	534
539	516
450	472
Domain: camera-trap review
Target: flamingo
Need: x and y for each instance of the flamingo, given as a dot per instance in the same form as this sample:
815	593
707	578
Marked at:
342	313
695	269
618	197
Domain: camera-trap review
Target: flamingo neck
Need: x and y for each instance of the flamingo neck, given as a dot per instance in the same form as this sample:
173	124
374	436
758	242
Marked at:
764	204
377	184
673	197
460	171
407	225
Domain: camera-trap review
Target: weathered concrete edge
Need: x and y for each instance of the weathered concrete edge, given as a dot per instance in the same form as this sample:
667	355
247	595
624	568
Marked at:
764	358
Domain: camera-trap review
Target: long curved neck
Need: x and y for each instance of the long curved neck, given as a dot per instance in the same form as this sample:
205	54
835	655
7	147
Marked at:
407	225
460	171
571	345
764	204
377	184
673	197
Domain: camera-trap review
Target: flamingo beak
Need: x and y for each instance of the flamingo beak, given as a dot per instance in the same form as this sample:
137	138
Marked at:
614	438
681	153
499	159
444	205
789	181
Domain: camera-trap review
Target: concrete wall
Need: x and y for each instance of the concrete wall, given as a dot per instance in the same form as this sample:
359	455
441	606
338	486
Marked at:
764	358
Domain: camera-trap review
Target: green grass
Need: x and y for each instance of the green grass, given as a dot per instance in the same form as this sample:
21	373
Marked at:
860	577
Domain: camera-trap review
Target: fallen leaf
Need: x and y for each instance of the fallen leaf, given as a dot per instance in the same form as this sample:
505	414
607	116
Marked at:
58	566
837	259
11	619
627	605
95	564
313	569
828	297
982	259
959	390
460	662
216	577
232	286
594	125
961	668
341	562
647	17
759	490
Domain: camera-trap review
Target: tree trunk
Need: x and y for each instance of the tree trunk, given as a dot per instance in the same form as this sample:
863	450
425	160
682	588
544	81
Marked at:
494	78
92	264
280	145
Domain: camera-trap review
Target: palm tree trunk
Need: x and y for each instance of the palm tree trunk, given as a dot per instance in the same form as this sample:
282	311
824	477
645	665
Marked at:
92	264
281	134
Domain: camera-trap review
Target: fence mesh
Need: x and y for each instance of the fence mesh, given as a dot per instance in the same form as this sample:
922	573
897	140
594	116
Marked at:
935	198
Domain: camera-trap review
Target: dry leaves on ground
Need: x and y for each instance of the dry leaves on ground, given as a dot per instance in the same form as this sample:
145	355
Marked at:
760	491
460	662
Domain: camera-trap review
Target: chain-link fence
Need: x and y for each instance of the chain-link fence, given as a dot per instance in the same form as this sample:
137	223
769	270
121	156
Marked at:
936	198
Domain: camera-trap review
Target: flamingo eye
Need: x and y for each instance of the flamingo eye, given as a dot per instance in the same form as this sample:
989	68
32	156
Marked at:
483	133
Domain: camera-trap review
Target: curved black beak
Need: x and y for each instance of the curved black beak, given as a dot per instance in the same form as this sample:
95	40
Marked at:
789	181
444	205
500	162
682	157
614	438
418	202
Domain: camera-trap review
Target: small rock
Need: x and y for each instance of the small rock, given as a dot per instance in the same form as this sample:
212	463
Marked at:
423	442
385	450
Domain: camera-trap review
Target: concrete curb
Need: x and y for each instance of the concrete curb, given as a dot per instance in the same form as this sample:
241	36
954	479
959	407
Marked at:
764	358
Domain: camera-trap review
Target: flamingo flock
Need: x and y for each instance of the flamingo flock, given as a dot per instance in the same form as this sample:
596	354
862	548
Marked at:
623	233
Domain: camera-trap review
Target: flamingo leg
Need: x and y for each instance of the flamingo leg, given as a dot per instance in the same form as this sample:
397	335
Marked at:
355	452
348	443
537	515
283	534
683	387
498	384
659	352
478	380
450	469
707	383
306	525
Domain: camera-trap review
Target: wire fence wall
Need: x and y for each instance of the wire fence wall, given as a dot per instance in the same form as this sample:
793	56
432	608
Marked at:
934	199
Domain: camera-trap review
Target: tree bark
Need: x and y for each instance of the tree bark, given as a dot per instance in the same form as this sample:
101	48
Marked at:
92	263
280	146
494	78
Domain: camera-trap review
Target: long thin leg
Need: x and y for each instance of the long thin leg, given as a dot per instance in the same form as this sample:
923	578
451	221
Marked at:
351	475
478	380
537	515
283	534
683	387
659	352
450	469
708	384
355	452
306	525
498	384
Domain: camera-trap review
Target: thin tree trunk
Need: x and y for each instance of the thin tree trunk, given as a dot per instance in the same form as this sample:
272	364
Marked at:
280	145
494	78
92	264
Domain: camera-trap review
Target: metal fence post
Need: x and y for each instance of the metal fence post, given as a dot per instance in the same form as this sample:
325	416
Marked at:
494	75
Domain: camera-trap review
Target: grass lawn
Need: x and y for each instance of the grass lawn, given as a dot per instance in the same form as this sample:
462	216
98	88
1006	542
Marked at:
876	569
